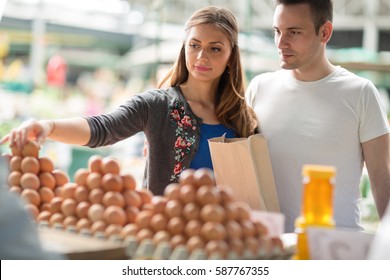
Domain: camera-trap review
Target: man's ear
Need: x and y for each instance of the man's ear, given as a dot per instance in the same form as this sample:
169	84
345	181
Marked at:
326	31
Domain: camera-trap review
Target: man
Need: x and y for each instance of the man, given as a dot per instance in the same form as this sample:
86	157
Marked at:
313	112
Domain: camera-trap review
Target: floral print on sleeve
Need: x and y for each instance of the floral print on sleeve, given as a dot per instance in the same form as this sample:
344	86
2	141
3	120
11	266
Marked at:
185	139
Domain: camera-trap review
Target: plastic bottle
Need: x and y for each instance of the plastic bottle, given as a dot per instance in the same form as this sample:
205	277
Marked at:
317	204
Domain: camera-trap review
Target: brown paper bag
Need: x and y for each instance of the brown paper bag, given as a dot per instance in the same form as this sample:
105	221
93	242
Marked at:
244	165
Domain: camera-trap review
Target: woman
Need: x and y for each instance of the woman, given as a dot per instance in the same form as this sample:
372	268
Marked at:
204	99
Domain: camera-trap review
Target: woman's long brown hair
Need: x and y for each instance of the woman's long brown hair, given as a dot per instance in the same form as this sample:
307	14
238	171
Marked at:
231	108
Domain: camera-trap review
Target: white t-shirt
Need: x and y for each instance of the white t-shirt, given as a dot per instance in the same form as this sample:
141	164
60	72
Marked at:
320	122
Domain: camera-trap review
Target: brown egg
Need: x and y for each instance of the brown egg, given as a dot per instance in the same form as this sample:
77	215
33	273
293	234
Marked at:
233	229
243	210
69	221
158	222
96	212
115	215
231	210
217	246
193	228
113	198
45	206
57	191
147	206
83	223
81	193
146	195
32	210
68	207
132	198
176	225
15	163
187	193
43	216
30	181
30	164
172	191
187	177
252	244
206	194
94	180
14	178
227	194
31	196
82	209
31	148
113	229
204	177
195	242
159	203
261	229
16	190
56	204
237	245
212	212
46	164
276	242
129	230
213	231
161	236
80	176
56	218
129	181
112	182
98	226
46	194
248	229
96	196
191	211
173	208
47	180
110	165
94	163
143	218
68	190
144	233
131	213
60	176
178	239
265	244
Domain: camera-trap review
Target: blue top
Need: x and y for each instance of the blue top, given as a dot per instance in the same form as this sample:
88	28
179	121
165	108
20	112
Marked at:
207	131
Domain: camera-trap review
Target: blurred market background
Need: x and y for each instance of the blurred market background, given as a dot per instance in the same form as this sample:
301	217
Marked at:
62	58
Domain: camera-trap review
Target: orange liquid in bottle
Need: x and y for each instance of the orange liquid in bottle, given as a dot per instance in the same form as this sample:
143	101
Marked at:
317	204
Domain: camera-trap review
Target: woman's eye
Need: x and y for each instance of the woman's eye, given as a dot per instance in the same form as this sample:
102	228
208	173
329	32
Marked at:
193	46
216	49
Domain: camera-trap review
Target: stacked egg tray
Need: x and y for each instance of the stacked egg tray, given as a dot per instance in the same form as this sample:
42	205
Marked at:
193	219
147	250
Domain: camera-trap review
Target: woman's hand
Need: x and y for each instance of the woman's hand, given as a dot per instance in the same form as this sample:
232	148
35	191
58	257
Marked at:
29	130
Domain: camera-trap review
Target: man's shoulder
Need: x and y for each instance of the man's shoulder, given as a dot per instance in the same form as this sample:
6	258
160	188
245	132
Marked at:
266	76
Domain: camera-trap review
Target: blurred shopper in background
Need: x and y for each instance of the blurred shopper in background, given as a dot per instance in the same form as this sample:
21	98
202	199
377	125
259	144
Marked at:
204	98
313	112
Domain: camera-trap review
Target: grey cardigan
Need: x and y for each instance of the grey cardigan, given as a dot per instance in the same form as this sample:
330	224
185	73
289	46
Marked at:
171	128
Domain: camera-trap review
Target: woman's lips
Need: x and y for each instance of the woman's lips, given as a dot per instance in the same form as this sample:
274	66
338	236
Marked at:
202	68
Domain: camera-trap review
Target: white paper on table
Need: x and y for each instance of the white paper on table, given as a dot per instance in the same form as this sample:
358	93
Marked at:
338	244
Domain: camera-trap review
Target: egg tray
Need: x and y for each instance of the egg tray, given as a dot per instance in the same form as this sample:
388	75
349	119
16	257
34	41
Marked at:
163	251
